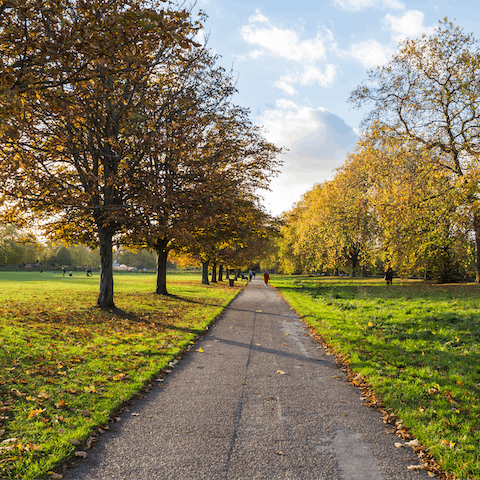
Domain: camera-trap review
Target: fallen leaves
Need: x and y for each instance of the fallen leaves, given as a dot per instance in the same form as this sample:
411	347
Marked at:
61	405
55	476
81	454
449	445
35	412
281	372
422	466
413	443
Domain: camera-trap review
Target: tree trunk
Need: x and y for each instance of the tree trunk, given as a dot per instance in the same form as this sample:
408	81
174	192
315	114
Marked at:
354	258
205	272
214	272
476	229
162	255
220	273
227	274
105	296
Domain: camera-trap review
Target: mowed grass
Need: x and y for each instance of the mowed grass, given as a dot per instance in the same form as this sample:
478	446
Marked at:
418	345
65	365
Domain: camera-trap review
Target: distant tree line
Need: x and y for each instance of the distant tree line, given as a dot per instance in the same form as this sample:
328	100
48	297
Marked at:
408	196
118	130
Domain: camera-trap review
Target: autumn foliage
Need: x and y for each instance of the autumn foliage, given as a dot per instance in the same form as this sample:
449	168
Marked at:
407	197
115	123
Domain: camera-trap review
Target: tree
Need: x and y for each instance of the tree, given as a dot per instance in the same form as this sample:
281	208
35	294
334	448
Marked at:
429	94
332	225
18	246
209	157
417	209
187	102
74	155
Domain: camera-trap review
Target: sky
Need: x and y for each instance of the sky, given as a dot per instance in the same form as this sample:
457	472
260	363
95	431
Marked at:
296	63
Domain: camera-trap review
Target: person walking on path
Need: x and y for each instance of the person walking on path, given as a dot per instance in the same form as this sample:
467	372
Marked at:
266	278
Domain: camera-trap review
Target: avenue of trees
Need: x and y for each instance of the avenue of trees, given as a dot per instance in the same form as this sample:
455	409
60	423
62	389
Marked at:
117	128
408	196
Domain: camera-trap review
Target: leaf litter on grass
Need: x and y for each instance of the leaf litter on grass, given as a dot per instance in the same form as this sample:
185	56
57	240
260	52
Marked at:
65	367
417	345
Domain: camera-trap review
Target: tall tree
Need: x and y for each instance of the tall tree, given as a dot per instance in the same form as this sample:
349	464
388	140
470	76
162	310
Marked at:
417	207
73	155
187	102
429	94
209	157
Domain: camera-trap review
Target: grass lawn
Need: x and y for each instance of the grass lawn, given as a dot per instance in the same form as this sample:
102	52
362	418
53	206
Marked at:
65	365
417	344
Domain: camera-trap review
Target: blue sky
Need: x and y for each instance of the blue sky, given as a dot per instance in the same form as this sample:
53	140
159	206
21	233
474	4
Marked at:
297	62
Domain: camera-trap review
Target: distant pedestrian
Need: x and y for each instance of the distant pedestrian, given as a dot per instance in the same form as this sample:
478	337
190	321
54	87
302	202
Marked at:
389	276
89	272
250	275
63	270
266	278
70	274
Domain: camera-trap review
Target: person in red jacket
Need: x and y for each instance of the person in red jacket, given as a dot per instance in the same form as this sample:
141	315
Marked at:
266	278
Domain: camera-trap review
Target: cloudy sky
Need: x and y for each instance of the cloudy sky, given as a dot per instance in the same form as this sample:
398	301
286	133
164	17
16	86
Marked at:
298	61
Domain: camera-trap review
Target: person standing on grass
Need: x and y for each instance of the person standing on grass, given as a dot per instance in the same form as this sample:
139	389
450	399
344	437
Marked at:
389	276
266	278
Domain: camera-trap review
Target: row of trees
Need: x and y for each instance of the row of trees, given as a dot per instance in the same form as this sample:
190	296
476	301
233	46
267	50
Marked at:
20	248
118	128
408	197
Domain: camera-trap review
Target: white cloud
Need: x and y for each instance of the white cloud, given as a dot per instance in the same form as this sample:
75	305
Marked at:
283	43
370	53
258	17
310	75
357	5
317	142
285	86
410	25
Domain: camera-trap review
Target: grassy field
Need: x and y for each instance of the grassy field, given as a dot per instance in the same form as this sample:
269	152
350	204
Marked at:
65	365
418	346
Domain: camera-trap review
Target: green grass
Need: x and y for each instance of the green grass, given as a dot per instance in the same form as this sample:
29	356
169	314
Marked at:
418	345
65	366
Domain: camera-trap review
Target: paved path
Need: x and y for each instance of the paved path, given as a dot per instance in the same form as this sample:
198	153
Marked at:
228	413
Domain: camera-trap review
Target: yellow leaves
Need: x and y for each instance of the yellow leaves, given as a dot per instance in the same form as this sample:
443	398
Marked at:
43	395
448	444
200	350
61	405
35	412
281	372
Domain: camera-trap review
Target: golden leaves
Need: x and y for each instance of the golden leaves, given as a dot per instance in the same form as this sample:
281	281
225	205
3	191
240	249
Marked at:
35	412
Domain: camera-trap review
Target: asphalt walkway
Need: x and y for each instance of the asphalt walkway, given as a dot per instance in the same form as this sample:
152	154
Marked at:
260	402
